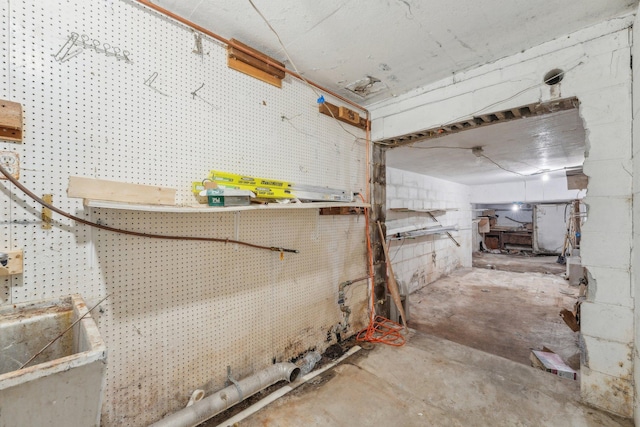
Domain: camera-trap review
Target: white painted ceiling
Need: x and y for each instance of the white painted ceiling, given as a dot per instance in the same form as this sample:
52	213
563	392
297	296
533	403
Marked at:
404	43
527	146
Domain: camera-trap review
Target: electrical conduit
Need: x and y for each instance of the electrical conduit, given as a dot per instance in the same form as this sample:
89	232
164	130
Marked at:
212	405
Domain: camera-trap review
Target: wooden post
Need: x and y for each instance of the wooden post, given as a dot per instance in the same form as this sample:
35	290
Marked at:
378	213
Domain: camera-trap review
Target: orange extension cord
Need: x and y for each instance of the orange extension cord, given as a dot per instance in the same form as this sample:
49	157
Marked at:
380	329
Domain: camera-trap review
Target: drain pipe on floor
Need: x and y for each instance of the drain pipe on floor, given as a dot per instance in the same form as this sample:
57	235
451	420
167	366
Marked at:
284	390
212	405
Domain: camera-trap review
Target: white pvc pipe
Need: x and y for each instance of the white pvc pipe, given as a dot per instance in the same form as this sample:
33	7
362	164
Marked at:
283	390
196	396
212	405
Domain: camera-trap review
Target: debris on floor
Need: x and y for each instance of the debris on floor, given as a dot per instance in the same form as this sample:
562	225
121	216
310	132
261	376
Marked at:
572	318
334	351
548	361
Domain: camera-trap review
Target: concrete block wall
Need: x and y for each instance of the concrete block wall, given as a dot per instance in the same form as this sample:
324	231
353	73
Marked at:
597	65
420	261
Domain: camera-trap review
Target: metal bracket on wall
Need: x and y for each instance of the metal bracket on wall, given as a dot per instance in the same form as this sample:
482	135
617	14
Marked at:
448	234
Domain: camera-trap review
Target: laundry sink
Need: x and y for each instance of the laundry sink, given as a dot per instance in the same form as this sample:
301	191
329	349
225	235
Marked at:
63	385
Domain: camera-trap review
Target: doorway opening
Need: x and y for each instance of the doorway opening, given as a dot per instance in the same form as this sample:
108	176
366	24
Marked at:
504	190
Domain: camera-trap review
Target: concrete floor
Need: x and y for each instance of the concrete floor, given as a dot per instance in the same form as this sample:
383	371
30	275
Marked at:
432	382
500	312
435	381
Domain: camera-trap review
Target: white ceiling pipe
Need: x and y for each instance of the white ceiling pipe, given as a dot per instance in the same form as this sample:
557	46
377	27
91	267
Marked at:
212	405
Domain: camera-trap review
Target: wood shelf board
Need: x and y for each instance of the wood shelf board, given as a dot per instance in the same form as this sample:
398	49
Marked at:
210	209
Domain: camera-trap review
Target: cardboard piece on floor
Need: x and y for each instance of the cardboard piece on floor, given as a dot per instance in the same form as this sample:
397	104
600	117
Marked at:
551	362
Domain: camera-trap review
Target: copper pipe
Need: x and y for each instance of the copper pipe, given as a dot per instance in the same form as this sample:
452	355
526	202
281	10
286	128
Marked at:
241	48
37	199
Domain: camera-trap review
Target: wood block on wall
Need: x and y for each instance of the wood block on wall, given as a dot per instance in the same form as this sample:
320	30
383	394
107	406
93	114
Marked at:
254	63
115	191
331	110
10	121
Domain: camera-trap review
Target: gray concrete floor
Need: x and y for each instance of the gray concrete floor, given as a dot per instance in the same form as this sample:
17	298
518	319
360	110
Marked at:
500	312
432	382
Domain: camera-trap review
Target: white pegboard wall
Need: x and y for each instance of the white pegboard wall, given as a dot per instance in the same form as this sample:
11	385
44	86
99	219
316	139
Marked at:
179	312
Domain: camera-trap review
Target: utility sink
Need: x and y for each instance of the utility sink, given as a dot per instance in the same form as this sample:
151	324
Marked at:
63	385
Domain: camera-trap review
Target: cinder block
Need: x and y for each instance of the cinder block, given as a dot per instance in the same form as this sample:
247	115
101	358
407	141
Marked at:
608	214
419	250
610	286
610	141
410	179
395	203
600	106
613	394
608	322
605	249
402	192
394	176
608	177
608	357
391	191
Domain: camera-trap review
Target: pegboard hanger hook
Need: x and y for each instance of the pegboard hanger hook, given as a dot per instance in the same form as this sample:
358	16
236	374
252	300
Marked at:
63	54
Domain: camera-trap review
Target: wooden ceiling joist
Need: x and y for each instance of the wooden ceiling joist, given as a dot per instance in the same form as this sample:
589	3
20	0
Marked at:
482	120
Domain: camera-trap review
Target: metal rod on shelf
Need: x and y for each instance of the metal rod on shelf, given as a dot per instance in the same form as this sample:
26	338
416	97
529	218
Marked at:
448	234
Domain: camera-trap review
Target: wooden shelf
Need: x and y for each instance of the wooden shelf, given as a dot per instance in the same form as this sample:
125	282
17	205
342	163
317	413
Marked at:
210	209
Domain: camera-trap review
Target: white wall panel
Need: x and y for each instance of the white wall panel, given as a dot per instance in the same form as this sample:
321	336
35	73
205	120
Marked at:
179	312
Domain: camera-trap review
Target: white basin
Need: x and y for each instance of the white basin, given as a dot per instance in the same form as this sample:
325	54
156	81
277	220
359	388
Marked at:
63	385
